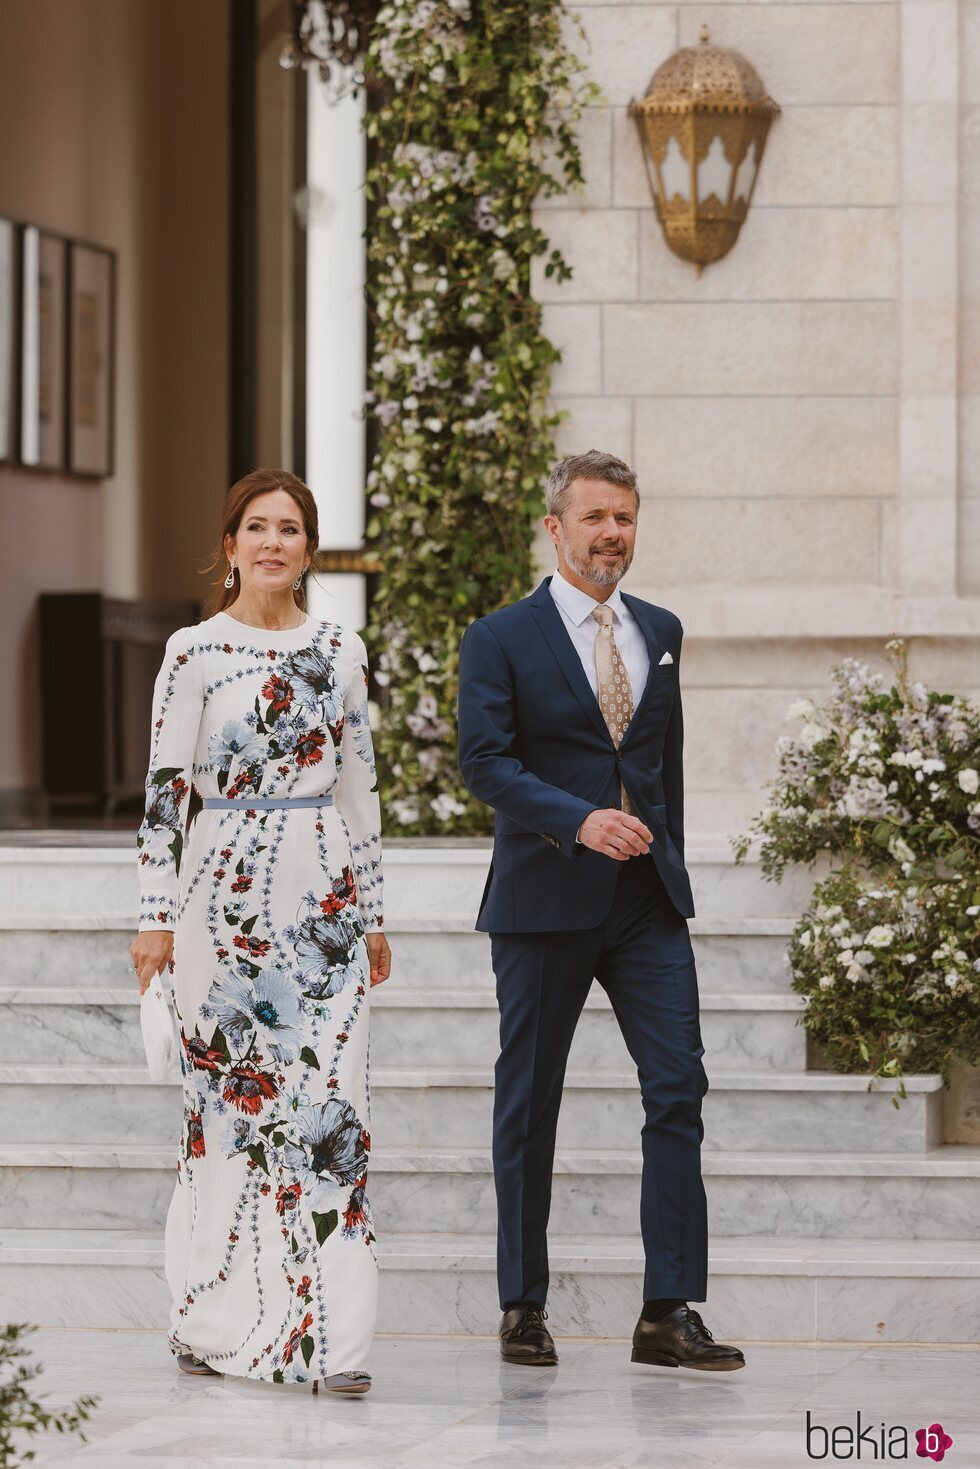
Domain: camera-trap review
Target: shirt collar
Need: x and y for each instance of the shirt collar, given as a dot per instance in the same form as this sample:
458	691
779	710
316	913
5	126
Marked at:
578	605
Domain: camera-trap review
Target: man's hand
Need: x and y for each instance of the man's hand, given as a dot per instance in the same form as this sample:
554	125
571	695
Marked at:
615	834
380	957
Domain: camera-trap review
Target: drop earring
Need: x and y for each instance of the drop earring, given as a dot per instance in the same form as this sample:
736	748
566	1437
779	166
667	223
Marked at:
230	578
299	580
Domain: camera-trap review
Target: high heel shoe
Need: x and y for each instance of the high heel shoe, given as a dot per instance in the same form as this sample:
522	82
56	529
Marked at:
196	1366
344	1382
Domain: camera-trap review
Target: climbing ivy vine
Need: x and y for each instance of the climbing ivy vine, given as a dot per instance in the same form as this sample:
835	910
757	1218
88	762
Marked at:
473	122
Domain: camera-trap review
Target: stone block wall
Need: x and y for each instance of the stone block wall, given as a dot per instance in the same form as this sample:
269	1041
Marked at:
801	415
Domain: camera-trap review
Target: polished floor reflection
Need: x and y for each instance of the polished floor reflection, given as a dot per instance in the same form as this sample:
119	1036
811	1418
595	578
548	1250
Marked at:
443	1403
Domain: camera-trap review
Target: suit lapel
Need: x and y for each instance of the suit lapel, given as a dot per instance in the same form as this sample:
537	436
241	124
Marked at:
655	651
550	622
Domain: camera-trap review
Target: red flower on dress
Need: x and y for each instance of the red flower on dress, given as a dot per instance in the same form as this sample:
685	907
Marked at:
288	1197
258	948
292	1340
308	749
249	1089
200	1054
241	884
342	894
241	785
181	658
303	1289
279	692
354	1213
195	1135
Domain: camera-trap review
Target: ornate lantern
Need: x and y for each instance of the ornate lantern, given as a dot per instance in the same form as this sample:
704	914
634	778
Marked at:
703	126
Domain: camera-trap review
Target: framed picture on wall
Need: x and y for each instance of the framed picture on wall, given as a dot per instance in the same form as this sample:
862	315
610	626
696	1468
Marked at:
44	266
9	315
91	365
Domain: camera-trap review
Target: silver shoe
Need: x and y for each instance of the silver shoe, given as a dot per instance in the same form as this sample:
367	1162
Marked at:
196	1366
345	1382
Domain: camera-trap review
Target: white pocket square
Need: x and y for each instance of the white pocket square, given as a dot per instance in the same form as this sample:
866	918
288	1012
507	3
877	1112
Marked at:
665	659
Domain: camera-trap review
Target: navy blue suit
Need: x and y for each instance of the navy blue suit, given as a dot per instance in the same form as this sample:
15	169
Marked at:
534	746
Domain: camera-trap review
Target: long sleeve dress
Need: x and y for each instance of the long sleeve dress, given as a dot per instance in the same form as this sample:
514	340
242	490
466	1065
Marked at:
270	1253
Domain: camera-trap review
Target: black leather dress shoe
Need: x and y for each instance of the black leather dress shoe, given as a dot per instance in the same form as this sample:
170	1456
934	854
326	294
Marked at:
524	1337
681	1339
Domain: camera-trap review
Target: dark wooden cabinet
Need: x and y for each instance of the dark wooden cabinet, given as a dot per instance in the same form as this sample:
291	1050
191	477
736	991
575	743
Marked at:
99	658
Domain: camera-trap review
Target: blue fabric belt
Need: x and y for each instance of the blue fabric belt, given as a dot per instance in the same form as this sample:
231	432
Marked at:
264	803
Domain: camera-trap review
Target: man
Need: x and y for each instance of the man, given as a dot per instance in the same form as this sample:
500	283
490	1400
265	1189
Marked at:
570	727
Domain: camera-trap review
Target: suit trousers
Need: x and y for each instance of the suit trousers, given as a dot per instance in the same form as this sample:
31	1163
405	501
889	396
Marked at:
642	957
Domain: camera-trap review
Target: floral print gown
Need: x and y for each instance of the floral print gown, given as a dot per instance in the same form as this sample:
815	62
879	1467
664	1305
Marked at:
270	1253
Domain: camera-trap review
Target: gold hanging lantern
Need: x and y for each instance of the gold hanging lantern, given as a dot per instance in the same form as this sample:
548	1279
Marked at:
703	126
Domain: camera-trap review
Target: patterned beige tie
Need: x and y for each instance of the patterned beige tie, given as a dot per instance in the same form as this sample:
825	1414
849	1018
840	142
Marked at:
615	689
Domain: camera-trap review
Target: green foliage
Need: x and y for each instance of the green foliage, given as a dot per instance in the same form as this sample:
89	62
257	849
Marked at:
20	1414
888	968
475	123
888	952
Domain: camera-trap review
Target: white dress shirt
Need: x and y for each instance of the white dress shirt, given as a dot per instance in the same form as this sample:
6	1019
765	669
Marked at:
576	613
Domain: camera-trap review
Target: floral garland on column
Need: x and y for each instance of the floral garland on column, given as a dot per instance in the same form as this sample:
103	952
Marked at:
475	122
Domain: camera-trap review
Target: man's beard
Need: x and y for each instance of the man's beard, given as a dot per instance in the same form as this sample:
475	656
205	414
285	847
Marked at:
594	570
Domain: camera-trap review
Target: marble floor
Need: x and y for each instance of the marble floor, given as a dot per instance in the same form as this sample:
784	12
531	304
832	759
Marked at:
449	1403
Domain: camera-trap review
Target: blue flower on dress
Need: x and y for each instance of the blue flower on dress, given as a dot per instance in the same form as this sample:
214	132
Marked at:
235	742
330	1149
238	1136
267	1005
314	683
325	947
361	734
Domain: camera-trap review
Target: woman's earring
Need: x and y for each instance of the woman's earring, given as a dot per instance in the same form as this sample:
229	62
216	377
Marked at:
230	578
299	580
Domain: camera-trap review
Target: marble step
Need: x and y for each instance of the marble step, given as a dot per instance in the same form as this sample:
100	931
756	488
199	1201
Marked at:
759	1288
932	1196
429	953
744	1111
419	1027
421	879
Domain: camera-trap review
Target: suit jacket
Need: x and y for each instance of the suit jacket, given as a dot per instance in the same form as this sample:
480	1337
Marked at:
533	745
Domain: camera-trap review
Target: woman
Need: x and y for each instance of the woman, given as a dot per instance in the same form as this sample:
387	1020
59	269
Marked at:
270	922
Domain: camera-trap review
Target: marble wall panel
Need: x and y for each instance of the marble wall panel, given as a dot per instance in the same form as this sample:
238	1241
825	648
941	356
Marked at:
623	46
594	134
746	348
752	447
782	255
716	543
602	248
596	423
577	333
809	54
968	546
843	155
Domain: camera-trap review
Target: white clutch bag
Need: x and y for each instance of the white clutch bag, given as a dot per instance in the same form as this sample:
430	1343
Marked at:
159	1033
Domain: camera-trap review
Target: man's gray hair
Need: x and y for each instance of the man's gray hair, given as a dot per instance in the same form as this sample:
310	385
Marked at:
592	465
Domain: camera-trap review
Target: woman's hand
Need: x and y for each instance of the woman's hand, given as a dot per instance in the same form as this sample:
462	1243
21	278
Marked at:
150	953
380	957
